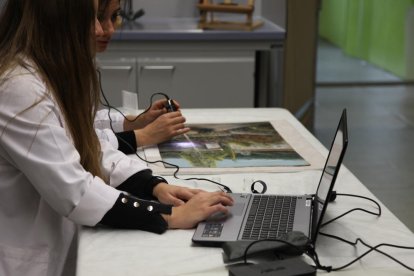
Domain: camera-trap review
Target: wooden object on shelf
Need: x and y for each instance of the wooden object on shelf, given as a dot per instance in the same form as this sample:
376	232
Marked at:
207	9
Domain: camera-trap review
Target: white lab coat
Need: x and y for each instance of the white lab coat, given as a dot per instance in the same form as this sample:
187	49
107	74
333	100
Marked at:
44	191
103	128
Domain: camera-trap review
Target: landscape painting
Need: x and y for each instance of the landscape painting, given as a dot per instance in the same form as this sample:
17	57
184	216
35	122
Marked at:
234	145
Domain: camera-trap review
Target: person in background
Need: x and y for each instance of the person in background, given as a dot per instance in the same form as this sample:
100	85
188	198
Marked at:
151	127
55	174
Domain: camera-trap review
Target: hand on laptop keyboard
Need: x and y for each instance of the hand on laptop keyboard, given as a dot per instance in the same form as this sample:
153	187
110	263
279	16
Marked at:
198	208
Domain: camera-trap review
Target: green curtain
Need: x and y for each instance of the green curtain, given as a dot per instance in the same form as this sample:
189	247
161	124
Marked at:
373	30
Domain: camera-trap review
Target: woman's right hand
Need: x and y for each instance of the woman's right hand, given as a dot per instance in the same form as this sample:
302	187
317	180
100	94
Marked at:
161	129
144	119
198	208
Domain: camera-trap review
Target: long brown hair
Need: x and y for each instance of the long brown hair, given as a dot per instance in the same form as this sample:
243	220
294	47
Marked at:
103	5
57	36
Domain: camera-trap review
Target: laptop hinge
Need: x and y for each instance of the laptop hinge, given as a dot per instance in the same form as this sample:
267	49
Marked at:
314	217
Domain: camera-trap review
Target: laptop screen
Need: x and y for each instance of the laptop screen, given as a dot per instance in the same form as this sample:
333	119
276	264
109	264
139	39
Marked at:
330	172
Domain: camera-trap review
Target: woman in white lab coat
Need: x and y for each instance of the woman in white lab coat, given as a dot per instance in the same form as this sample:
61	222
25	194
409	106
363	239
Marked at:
54	173
153	126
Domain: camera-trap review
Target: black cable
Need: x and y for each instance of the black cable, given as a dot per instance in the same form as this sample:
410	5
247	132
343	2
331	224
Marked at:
270	240
310	252
371	248
355	209
177	168
222	187
109	106
358	240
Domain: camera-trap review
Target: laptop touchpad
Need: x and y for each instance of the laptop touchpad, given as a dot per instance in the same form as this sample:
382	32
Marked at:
237	209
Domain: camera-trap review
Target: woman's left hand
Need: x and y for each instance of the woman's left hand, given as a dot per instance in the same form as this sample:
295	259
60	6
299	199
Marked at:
174	195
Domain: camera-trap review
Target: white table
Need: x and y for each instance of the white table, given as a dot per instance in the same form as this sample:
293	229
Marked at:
131	252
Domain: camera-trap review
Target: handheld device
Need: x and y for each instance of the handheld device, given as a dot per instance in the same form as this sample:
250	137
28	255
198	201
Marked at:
170	106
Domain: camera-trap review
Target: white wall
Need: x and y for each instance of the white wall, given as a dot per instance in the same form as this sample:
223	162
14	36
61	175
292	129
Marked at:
275	11
170	8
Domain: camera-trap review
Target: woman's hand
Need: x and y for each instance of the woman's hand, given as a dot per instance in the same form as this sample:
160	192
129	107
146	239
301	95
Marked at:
161	129
157	109
174	195
198	208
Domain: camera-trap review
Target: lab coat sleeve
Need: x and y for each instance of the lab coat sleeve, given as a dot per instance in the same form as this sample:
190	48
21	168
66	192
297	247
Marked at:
108	135
117	166
35	141
103	121
122	140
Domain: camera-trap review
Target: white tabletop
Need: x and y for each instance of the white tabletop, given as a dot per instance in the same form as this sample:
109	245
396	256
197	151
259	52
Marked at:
132	252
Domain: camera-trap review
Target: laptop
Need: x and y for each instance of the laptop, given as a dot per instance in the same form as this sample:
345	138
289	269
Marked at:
266	216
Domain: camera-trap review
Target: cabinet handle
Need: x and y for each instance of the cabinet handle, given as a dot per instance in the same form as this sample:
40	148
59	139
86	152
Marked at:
158	67
114	67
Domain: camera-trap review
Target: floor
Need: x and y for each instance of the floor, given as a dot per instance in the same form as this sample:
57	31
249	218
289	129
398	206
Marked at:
381	126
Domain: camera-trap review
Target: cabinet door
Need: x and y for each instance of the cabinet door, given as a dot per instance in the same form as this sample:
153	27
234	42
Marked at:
198	82
116	75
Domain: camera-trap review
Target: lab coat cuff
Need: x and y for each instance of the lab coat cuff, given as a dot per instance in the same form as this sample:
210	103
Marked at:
94	204
141	184
127	142
130	212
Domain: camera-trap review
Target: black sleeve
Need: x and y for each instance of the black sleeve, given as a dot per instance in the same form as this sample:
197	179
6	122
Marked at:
141	184
130	212
126	141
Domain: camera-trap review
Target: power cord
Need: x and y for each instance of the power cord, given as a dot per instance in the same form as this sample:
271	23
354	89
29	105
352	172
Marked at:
358	240
310	252
371	248
298	249
333	197
109	106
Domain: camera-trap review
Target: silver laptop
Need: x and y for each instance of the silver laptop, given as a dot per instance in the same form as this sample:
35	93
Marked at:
267	216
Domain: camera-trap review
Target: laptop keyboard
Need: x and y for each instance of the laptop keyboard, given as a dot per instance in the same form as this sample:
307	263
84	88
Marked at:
270	217
212	230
